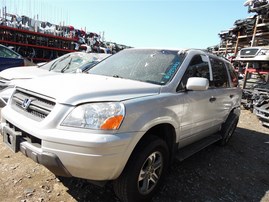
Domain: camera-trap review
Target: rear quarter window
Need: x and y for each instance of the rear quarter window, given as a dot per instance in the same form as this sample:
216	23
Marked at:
233	74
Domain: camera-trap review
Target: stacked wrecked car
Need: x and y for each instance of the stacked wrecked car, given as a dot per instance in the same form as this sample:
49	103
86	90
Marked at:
246	45
254	63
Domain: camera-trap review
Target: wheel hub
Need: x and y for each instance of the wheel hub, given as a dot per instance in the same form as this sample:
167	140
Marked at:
150	173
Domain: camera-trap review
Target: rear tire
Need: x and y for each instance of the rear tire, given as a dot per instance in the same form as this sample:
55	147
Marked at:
228	128
144	172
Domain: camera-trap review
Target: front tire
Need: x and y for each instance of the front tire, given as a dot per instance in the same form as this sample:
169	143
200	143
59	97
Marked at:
144	172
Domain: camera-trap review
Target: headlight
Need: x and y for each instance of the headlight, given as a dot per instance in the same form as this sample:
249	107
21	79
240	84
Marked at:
105	116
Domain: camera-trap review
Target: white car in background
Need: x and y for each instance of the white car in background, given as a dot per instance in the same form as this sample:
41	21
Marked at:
76	62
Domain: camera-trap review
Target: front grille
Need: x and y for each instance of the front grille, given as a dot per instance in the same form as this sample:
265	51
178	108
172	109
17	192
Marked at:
32	105
249	52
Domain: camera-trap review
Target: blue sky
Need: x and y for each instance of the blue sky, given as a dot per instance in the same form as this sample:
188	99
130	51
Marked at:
141	23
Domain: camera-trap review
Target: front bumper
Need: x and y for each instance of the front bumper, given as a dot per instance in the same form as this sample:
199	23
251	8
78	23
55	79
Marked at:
17	143
93	156
262	113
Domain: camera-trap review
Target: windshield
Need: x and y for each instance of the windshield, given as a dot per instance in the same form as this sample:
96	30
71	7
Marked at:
73	61
146	65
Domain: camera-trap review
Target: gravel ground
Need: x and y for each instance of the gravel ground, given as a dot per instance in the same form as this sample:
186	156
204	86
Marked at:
236	172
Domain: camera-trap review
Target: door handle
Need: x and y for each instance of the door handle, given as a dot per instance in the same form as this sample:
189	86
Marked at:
212	99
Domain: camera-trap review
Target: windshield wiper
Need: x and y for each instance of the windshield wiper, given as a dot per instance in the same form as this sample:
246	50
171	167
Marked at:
66	66
56	62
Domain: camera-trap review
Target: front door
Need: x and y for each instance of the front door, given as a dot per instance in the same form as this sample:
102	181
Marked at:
198	113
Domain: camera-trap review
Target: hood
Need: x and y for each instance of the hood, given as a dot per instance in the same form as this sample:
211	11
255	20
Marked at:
74	89
26	72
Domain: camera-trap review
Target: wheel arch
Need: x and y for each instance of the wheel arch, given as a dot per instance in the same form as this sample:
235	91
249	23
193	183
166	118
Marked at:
228	127
236	110
128	186
164	131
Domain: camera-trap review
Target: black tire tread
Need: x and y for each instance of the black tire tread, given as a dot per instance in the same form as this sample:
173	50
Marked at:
226	127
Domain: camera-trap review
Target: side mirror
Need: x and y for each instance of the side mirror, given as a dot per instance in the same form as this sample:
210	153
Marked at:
197	83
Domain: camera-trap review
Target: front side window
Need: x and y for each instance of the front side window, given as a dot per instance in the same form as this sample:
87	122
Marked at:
220	76
145	65
198	67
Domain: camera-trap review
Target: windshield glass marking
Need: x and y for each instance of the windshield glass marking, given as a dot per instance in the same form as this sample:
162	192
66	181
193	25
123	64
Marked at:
171	71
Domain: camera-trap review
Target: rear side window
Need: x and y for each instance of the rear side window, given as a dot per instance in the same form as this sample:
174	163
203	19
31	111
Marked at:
220	76
233	74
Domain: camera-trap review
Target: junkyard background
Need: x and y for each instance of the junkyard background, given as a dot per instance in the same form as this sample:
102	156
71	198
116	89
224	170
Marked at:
236	172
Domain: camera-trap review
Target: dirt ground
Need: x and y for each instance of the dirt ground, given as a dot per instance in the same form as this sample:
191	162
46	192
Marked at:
236	172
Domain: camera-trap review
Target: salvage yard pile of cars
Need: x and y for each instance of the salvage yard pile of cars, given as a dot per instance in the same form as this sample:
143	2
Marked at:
246	44
255	96
257	101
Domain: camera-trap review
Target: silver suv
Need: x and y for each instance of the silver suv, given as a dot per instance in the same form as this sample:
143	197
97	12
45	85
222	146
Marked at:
127	118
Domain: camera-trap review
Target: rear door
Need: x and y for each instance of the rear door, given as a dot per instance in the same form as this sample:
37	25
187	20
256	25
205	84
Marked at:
224	94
